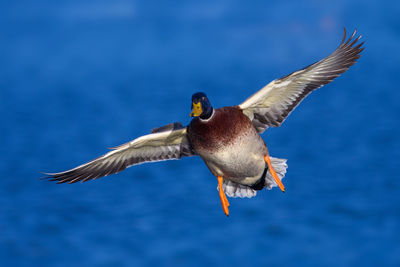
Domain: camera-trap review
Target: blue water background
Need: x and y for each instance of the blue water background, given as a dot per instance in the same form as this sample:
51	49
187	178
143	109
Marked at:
77	77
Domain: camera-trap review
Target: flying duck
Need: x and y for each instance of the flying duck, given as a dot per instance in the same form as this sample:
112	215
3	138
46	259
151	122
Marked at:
228	138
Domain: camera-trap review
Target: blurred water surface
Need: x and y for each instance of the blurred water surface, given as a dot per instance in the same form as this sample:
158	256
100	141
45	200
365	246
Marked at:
77	77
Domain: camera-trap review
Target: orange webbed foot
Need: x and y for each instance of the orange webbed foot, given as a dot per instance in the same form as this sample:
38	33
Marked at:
273	173
224	200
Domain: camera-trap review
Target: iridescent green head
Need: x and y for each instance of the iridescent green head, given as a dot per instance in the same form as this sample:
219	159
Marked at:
201	106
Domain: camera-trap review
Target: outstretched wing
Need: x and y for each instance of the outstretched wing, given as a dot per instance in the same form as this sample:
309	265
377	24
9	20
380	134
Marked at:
163	144
272	104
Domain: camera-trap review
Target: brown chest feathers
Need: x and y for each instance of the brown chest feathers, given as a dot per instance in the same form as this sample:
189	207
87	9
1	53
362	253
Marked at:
222	129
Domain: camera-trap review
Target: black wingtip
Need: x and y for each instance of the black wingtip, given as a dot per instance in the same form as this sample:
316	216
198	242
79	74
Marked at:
344	35
351	40
47	177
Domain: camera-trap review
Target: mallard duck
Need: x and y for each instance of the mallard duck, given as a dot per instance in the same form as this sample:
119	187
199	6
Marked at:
228	138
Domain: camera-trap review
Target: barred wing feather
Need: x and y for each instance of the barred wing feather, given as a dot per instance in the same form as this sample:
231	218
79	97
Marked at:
158	146
272	104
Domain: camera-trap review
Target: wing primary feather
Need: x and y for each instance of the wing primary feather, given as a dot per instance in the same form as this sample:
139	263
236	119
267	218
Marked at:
273	103
169	142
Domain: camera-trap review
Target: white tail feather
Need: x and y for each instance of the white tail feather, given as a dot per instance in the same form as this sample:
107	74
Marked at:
233	189
280	167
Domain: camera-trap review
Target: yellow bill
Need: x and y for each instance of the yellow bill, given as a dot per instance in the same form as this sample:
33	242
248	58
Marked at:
196	110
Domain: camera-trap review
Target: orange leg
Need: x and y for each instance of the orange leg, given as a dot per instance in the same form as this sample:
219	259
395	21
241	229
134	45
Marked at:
273	173
224	200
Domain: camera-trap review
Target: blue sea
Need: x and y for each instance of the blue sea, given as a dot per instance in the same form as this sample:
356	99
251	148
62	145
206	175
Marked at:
77	77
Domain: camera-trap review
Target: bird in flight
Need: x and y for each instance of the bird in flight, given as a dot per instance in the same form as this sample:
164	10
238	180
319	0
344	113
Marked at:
228	138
